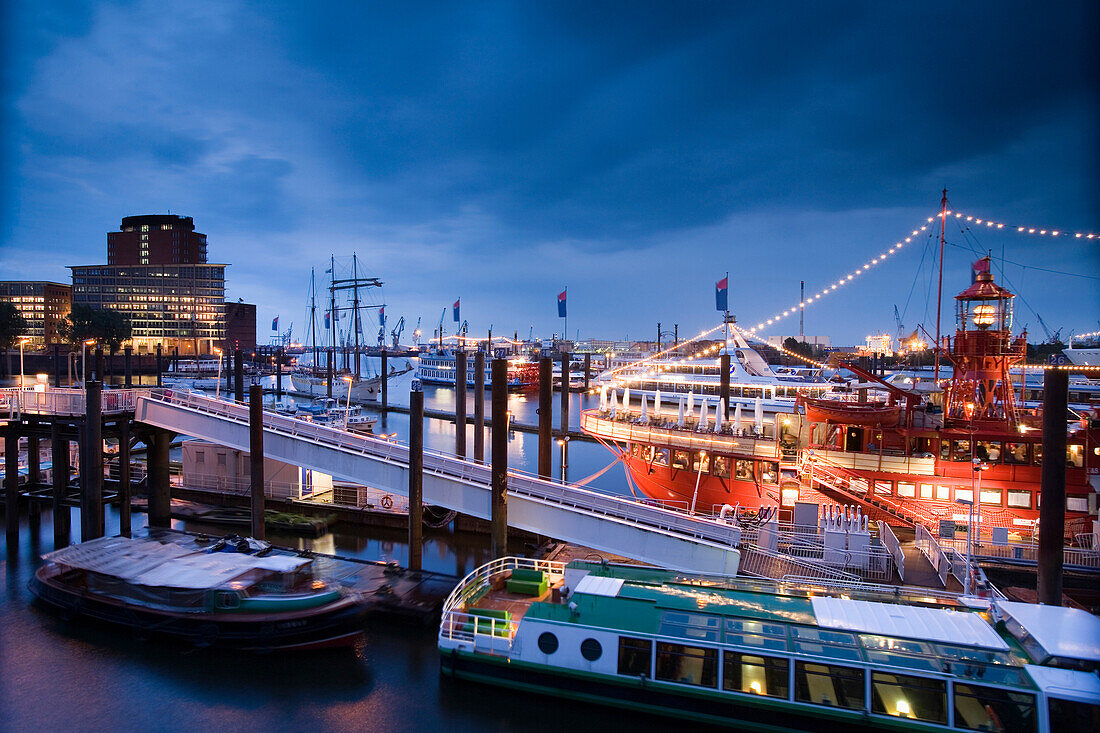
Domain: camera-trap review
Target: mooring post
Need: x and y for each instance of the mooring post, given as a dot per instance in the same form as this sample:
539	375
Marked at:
33	468
565	356
499	505
159	486
238	377
460	404
91	470
11	483
416	478
1052	506
479	406
56	365
330	368
587	370
159	369
256	456
385	381
127	367
123	427
724	386
99	364
278	374
546	415
59	448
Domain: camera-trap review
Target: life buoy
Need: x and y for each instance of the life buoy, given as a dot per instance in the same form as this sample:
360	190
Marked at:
387	502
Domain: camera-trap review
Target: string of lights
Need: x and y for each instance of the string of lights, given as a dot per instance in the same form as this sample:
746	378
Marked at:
991	224
785	350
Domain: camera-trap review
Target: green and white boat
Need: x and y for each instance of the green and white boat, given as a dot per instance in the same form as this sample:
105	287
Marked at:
771	655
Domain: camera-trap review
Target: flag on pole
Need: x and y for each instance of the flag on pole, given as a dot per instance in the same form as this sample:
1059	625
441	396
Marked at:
561	304
275	323
382	316
979	267
721	294
456	309
327	320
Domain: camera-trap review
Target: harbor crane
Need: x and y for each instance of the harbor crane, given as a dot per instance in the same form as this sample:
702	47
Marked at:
416	333
397	331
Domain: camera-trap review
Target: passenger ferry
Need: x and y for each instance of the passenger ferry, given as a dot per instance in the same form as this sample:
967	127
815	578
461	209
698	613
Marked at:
768	655
439	368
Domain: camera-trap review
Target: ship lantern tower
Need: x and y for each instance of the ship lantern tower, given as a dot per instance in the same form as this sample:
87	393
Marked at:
980	390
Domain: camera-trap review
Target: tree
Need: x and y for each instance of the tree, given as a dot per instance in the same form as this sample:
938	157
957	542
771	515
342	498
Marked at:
799	347
108	327
1038	353
12	325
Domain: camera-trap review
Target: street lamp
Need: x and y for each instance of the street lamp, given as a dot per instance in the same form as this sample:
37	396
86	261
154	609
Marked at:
347	406
564	442
22	341
698	478
218	385
969	525
979	468
83	360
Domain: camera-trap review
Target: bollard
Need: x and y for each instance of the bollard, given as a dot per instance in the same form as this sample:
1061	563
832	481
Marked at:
91	468
256	456
123	426
99	364
460	404
59	448
238	377
546	415
499	502
416	478
385	382
159	487
724	387
1052	505
479	406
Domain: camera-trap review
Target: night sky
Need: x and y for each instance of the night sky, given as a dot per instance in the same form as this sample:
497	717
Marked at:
632	151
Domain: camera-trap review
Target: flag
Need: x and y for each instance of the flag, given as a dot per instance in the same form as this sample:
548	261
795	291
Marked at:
979	267
275	323
327	320
382	316
721	294
456	309
561	304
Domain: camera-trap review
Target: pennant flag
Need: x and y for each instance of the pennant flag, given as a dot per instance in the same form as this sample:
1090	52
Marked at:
979	267
456	309
382	316
721	294
561	304
327	320
275	324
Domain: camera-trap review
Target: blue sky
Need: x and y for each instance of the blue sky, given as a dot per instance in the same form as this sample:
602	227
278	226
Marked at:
498	152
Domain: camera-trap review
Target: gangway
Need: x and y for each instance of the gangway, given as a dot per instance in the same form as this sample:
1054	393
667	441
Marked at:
571	513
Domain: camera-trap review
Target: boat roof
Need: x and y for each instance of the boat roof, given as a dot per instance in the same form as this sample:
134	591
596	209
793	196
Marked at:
1068	633
893	619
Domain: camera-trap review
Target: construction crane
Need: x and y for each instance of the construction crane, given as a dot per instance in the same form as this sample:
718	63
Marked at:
397	331
897	319
416	333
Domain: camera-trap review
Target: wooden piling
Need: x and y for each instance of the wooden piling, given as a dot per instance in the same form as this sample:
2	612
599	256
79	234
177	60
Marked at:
11	483
565	356
546	415
1052	506
99	364
256	457
91	467
159	486
59	448
279	373
331	369
460	404
587	371
416	479
385	382
238	376
499	501
479	406
56	365
160	367
724	386
127	367
123	427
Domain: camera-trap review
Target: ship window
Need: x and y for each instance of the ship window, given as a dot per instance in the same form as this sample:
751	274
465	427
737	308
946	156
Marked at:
695	626
635	449
756	634
990	496
743	470
883	487
962	494
689	665
836	644
548	643
756	675
1016	454
704	459
681	459
1077	504
660	457
647	453
926	491
769	472
943	492
721	466
1075	456
907	489
826	684
1037	454
634	656
988	708
960	450
1019	499
591	650
906	696
945	450
1068	715
988	450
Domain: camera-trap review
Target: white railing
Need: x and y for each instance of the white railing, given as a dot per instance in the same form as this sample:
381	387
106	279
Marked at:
629	432
445	466
1025	552
768	564
65	401
890	542
931	549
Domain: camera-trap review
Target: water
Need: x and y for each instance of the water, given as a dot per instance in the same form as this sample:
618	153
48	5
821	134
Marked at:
89	677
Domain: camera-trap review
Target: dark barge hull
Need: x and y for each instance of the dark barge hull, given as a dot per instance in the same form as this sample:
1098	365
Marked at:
339	623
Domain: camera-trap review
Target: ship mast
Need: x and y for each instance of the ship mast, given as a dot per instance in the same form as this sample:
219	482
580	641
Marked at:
355	309
333	323
939	287
313	310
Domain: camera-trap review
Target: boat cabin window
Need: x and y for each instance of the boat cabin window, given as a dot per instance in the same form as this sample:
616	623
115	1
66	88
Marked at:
1019	499
694	626
681	459
1016	454
635	449
660	457
989	451
688	665
960	450
756	634
647	453
907	489
943	492
1077	504
992	709
701	463
819	642
1070	715
962	494
743	470
769	472
1037	454
991	497
591	649
635	656
721	467
907	696
1075	456
756	675
885	488
945	450
927	491
827	684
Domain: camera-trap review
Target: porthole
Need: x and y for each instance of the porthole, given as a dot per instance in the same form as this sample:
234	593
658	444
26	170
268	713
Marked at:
591	649
548	643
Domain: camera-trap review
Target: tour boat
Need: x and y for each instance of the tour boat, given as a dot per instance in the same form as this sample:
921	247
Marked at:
771	655
201	594
439	367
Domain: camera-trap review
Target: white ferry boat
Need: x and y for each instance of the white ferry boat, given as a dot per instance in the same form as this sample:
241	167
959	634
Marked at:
439	368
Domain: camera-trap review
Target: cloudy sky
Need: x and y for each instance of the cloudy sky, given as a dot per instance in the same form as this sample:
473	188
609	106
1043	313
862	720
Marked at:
632	151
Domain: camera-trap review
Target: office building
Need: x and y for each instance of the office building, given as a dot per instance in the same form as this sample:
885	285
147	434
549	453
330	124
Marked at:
42	304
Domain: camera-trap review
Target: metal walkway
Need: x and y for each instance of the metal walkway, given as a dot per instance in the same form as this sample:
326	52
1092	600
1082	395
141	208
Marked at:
601	521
